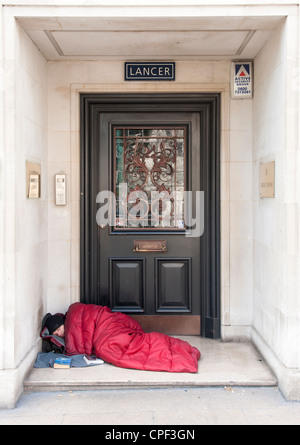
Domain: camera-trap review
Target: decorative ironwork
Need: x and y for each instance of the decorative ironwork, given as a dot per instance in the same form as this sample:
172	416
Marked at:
149	177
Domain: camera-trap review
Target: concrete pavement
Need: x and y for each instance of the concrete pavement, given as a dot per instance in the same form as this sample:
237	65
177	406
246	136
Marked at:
171	406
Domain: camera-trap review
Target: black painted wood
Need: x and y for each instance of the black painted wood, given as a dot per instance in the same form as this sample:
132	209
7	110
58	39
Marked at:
127	284
173	284
95	107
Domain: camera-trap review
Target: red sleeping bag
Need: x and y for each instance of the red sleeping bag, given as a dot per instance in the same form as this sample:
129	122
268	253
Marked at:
120	340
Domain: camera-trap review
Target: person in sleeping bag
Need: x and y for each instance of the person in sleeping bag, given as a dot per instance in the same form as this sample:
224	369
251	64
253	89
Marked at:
119	339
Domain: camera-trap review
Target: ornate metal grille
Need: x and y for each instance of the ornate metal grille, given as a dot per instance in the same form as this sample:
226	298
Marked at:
149	177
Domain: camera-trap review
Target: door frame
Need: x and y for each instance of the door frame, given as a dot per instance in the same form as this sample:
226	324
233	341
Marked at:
208	105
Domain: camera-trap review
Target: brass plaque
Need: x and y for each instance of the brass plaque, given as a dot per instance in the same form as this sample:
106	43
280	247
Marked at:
267	180
150	246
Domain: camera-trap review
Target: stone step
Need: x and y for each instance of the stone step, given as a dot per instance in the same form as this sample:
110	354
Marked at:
221	364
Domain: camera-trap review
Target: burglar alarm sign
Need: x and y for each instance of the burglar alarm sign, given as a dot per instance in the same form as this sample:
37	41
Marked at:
241	80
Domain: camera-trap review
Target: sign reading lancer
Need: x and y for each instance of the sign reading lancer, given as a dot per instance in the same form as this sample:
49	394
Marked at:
150	71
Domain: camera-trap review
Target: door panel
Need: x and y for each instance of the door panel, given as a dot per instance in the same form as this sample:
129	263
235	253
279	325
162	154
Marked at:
173	284
127	284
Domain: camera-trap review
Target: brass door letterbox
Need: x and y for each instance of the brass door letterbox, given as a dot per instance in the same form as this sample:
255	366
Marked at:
150	246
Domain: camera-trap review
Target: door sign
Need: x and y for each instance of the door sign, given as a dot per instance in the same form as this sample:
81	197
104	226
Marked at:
150	71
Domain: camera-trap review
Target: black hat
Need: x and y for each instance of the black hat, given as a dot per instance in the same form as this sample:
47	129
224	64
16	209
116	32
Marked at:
53	322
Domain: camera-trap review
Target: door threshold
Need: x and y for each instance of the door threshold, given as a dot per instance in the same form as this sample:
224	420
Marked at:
170	324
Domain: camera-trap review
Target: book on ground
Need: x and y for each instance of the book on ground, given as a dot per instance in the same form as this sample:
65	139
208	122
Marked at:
92	360
62	362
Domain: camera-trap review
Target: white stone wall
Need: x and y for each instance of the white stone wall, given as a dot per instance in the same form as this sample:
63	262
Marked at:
24	224
25	229
65	81
31	214
276	292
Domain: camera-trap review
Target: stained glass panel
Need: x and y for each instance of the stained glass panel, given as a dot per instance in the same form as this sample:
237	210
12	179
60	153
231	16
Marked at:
149	177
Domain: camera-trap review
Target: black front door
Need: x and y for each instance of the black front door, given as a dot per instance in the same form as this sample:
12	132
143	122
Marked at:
144	166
